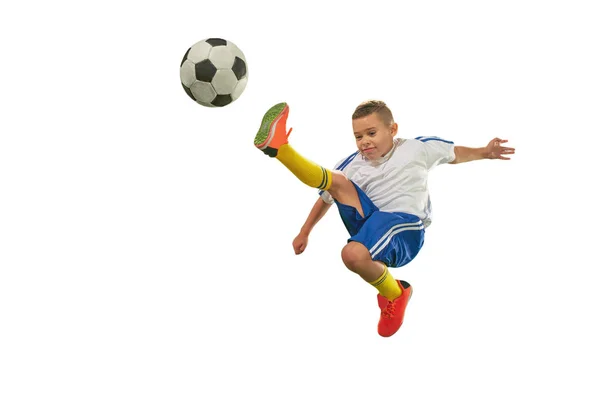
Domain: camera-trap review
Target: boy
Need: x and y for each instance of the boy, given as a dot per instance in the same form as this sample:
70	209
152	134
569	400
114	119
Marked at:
380	191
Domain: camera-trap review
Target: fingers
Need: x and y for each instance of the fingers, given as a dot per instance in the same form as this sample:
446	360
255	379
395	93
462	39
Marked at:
498	141
502	149
498	153
298	249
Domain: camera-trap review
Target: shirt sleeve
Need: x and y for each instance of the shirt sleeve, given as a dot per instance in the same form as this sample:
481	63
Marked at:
326	197
437	150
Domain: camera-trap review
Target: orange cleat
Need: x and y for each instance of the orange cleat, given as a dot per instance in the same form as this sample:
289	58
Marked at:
271	134
392	312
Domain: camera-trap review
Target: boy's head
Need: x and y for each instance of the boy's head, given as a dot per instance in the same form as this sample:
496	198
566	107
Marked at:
374	128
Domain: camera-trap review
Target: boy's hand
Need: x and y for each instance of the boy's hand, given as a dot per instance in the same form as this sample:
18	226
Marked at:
494	149
300	243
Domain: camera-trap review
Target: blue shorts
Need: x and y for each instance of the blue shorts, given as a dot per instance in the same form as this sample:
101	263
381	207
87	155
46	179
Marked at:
392	238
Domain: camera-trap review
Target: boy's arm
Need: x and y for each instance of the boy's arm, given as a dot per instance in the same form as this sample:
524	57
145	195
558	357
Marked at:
493	150
316	214
464	154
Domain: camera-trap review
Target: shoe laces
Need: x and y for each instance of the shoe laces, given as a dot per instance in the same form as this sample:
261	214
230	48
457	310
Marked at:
389	310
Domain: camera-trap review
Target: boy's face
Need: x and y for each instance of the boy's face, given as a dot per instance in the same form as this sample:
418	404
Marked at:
373	138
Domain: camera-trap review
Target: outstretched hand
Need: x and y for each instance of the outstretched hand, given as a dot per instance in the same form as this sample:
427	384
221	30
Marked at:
495	150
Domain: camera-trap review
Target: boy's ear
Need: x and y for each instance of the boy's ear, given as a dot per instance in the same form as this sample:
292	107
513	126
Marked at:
394	129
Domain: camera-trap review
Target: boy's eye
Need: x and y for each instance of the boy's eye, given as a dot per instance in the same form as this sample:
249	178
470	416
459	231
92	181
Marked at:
358	137
372	133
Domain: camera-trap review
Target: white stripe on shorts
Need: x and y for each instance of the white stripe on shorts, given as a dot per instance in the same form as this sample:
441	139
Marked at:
385	240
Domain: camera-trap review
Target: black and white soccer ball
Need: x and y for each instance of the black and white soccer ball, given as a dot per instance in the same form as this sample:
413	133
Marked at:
213	72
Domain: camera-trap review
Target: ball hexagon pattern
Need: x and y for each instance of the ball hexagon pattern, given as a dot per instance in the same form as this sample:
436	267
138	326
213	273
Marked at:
214	72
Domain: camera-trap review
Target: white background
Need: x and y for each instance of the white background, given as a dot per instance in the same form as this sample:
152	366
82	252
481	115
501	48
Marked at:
146	263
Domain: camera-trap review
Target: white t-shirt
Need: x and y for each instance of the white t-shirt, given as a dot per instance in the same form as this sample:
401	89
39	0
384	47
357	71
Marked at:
397	182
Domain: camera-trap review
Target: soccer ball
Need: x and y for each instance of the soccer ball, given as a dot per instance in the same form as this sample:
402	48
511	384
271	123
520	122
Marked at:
213	72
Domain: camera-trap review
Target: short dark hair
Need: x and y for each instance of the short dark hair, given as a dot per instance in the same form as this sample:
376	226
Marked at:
374	106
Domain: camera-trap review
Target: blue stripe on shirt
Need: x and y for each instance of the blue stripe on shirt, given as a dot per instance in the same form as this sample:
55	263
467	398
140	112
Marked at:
347	161
428	138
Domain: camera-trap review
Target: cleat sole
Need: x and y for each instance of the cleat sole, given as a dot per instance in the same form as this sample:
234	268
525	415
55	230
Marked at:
267	122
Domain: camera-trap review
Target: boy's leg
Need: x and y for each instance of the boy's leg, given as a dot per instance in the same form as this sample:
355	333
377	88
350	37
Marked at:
357	258
272	140
392	239
386	239
393	295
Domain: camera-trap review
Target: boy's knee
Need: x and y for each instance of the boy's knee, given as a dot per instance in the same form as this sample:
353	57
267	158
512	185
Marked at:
354	254
339	182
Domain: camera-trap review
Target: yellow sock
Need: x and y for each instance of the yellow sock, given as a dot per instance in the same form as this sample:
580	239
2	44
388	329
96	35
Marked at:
387	285
307	171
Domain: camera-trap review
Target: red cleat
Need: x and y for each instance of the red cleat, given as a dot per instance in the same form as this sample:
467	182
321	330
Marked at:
272	134
392	312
